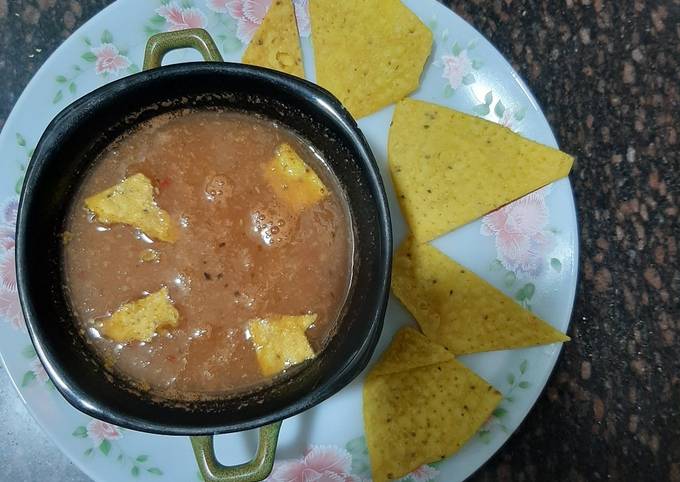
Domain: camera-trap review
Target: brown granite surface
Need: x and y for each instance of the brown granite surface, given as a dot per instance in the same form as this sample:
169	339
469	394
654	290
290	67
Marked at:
607	74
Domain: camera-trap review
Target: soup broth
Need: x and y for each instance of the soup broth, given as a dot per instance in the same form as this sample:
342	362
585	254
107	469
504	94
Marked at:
240	252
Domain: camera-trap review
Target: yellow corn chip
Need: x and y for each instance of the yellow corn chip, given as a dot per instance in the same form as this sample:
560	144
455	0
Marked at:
276	44
460	310
424	412
131	202
280	341
293	181
369	54
450	168
140	319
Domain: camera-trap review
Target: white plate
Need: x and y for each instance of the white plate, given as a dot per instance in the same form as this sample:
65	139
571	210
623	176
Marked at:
465	72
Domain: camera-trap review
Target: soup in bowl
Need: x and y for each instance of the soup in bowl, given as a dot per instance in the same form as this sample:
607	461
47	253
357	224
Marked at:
203	248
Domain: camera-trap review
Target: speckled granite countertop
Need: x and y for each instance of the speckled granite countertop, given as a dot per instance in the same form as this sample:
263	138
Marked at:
608	77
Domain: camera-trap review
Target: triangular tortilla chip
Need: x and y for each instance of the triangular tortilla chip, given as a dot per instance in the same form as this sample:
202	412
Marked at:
410	349
423	414
460	310
276	44
131	202
293	181
280	341
140	319
450	168
369	54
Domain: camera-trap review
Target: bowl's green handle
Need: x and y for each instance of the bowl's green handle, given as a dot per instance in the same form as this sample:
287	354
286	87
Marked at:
254	471
193	38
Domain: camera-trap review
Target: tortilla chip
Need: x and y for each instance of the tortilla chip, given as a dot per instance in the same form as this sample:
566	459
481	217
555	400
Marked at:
131	202
280	341
460	310
417	412
140	319
276	44
368	54
450	168
293	181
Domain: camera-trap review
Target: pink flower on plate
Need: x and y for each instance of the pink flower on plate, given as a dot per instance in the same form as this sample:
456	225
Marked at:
8	273
424	473
180	18
99	431
322	463
10	308
6	236
9	211
38	370
109	60
455	68
522	240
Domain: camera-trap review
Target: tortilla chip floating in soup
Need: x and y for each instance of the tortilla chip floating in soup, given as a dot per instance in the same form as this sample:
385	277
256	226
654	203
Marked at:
460	310
293	181
140	319
280	341
420	406
131	202
450	168
368	53
276	43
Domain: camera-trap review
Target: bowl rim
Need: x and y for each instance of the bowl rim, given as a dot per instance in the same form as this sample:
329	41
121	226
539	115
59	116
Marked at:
324	101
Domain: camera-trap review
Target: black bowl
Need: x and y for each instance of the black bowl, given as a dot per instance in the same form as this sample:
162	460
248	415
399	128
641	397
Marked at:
66	151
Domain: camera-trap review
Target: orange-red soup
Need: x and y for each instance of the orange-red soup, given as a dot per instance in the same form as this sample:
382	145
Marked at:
240	253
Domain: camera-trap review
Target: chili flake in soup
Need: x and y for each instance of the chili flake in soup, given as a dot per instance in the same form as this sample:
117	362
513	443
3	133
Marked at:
207	252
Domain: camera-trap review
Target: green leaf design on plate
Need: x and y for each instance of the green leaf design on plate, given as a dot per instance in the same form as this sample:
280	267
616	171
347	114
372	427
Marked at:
488	98
477	64
509	279
105	447
58	96
511	379
149	30
28	352
359	451
556	264
80	432
526	292
134	471
21	141
500	412
61	79
87	41
88	452
106	37
133	68
157	20
481	110
77	68
524	385
72	87
523	366
485	436
27	379
448	90
496	265
120	457
499	110
88	57
456	49
19	184
469	79
154	471
142	458
187	4
519	115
